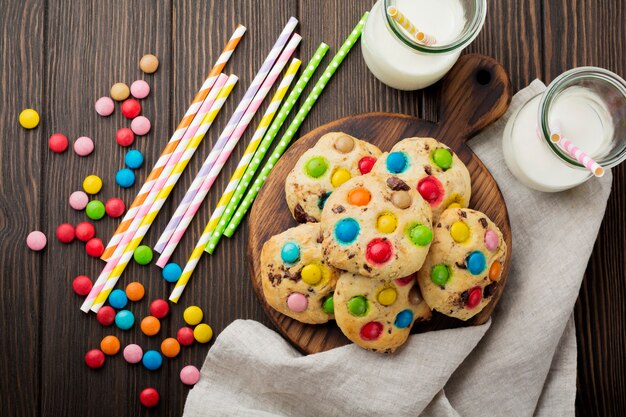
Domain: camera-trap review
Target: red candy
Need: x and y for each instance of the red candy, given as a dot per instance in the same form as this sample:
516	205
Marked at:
106	315
159	308
58	143
378	251
149	397
431	190
124	137
65	233
371	330
185	336
404	281
82	285
114	207
94	358
131	108
94	247
474	298
366	164
85	231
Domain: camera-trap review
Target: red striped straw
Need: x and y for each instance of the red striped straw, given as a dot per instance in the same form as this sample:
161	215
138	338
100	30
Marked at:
572	150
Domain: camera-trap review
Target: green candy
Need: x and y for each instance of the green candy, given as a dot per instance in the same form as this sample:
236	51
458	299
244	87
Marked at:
421	235
316	167
95	210
357	306
329	305
143	255
439	274
443	158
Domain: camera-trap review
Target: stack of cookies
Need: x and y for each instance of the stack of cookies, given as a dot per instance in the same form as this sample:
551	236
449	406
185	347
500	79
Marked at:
384	238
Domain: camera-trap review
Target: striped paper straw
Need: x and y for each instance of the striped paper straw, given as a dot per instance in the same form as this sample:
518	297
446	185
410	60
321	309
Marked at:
253	145
174	140
556	136
228	130
265	145
282	114
295	124
149	212
406	24
227	151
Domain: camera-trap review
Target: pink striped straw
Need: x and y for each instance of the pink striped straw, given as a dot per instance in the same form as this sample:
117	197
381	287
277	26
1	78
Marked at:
210	178
572	150
228	130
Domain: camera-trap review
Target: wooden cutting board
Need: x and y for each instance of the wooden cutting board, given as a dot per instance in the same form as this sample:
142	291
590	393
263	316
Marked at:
474	94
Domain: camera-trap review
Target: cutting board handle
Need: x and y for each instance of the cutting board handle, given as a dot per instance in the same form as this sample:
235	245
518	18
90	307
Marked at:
474	94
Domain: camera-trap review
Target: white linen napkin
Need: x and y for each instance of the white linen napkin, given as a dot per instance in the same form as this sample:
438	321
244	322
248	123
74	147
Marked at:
521	363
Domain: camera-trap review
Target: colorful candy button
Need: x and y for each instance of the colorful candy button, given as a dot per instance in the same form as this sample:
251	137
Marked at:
92	184
119	92
366	164
189	375
124	137
125	178
149	398
171	272
431	190
133	159
386	223
82	285
440	274
131	108
95	210
443	158
152	360
106	315
58	143
29	118
359	197
118	299
415	296
110	345
65	233
387	296
114	207
159	308
421	235
133	353
94	247
322	200
371	330
170	347
346	230
185	336
401	199
404	319
460	232
149	63
316	167
495	271
84	231
454	205
340	175
491	240
143	255
357	306
297	302
344	144
474	297
94	358
150	325
404	280
140	89
140	125
104	106
78	200
311	274
83	146
290	253
193	315
379	251
203	333
135	291
476	262
328	305
124	319
396	162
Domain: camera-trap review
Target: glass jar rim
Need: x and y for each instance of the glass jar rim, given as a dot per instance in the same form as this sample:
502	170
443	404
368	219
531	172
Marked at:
552	91
470	33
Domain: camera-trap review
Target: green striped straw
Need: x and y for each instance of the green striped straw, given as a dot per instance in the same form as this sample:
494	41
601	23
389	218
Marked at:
295	124
264	146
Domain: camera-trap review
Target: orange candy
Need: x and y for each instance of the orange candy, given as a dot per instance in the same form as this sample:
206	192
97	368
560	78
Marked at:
359	197
495	271
170	347
135	291
150	325
110	345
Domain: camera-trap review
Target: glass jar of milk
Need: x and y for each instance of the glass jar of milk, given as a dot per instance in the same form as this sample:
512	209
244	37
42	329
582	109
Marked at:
589	106
397	59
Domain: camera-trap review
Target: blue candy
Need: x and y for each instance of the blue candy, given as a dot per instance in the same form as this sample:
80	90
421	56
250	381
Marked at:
396	162
152	360
125	178
118	299
404	319
171	272
346	230
322	201
124	319
476	262
290	253
134	159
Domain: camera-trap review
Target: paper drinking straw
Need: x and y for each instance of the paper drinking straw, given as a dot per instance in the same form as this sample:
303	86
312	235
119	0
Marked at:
266	143
225	135
555	131
295	124
406	24
174	140
572	150
227	151
248	154
146	213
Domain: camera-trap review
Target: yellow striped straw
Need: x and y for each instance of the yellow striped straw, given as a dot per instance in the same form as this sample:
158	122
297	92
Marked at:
406	24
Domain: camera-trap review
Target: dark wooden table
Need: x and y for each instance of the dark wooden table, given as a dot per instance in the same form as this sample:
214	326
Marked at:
58	56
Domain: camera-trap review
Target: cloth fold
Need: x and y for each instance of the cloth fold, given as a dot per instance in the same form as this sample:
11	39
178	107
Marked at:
521	363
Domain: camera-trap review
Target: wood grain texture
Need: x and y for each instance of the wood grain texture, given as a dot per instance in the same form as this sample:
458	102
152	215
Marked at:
59	56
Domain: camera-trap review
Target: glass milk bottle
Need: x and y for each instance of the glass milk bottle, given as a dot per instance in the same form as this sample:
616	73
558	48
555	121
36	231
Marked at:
399	60
589	107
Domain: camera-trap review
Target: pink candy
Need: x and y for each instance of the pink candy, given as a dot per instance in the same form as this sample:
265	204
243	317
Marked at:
105	106
189	375
83	146
140	89
491	240
140	125
133	353
78	200
36	240
297	302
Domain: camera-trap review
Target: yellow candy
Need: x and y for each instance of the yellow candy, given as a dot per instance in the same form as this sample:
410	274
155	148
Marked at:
340	176
311	274
92	184
29	119
193	315
459	232
387	223
387	296
454	205
203	333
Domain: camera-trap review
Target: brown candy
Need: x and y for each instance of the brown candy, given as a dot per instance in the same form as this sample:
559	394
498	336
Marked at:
401	199
415	297
149	63
344	144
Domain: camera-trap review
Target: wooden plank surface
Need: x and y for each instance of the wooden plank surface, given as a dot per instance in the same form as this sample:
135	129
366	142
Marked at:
59	56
